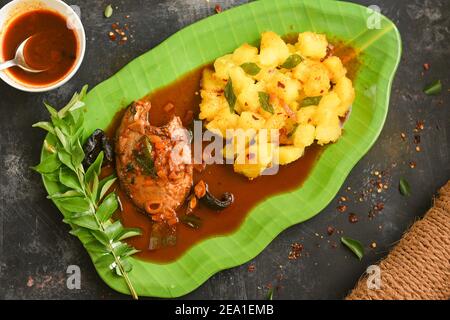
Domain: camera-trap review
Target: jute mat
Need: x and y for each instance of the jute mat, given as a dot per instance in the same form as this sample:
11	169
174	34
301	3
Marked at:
418	267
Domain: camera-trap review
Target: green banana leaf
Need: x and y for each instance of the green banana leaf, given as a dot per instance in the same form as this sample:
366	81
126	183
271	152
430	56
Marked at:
372	34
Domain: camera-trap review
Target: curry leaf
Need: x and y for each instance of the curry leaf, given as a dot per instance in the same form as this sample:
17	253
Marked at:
62	138
101	237
127	266
44	125
128	233
51	110
264	101
311	101
77	154
434	88
74	204
270	294
86	221
49	164
66	159
52	176
68	178
94	168
107	207
96	246
82	204
292	61
251	68
106	260
105	184
404	187
354	245
229	95
94	188
113	230
81	232
67	194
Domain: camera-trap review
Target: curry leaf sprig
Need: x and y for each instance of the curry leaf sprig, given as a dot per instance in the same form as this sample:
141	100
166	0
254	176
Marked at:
83	196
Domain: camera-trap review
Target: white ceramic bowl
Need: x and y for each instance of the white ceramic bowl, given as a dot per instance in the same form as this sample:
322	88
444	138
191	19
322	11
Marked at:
16	7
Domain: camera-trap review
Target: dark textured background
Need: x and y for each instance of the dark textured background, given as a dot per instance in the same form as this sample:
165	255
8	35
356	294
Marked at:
35	247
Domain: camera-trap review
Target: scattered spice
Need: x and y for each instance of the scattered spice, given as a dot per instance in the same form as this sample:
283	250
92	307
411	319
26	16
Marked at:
342	208
30	282
119	32
330	230
418	148
426	66
352	218
112	36
420	125
296	250
412	164
379	206
373	245
251	267
403	136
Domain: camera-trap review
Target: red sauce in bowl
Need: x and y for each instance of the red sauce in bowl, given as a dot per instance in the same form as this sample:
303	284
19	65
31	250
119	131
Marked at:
53	47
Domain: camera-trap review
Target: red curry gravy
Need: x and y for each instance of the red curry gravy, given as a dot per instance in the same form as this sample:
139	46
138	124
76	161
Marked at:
52	48
184	95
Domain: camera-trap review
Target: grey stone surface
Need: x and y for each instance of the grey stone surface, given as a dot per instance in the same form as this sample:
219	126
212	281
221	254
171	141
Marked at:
36	249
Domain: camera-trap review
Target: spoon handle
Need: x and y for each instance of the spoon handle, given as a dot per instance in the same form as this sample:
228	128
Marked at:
7	64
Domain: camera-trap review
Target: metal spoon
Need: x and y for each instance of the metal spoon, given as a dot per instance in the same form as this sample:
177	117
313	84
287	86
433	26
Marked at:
19	60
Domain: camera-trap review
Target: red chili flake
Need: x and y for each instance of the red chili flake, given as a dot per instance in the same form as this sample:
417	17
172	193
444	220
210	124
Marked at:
379	206
30	282
403	136
416	139
115	26
296	250
218	8
251	267
412	164
330	230
352	218
281	85
112	36
420	125
426	66
342	208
